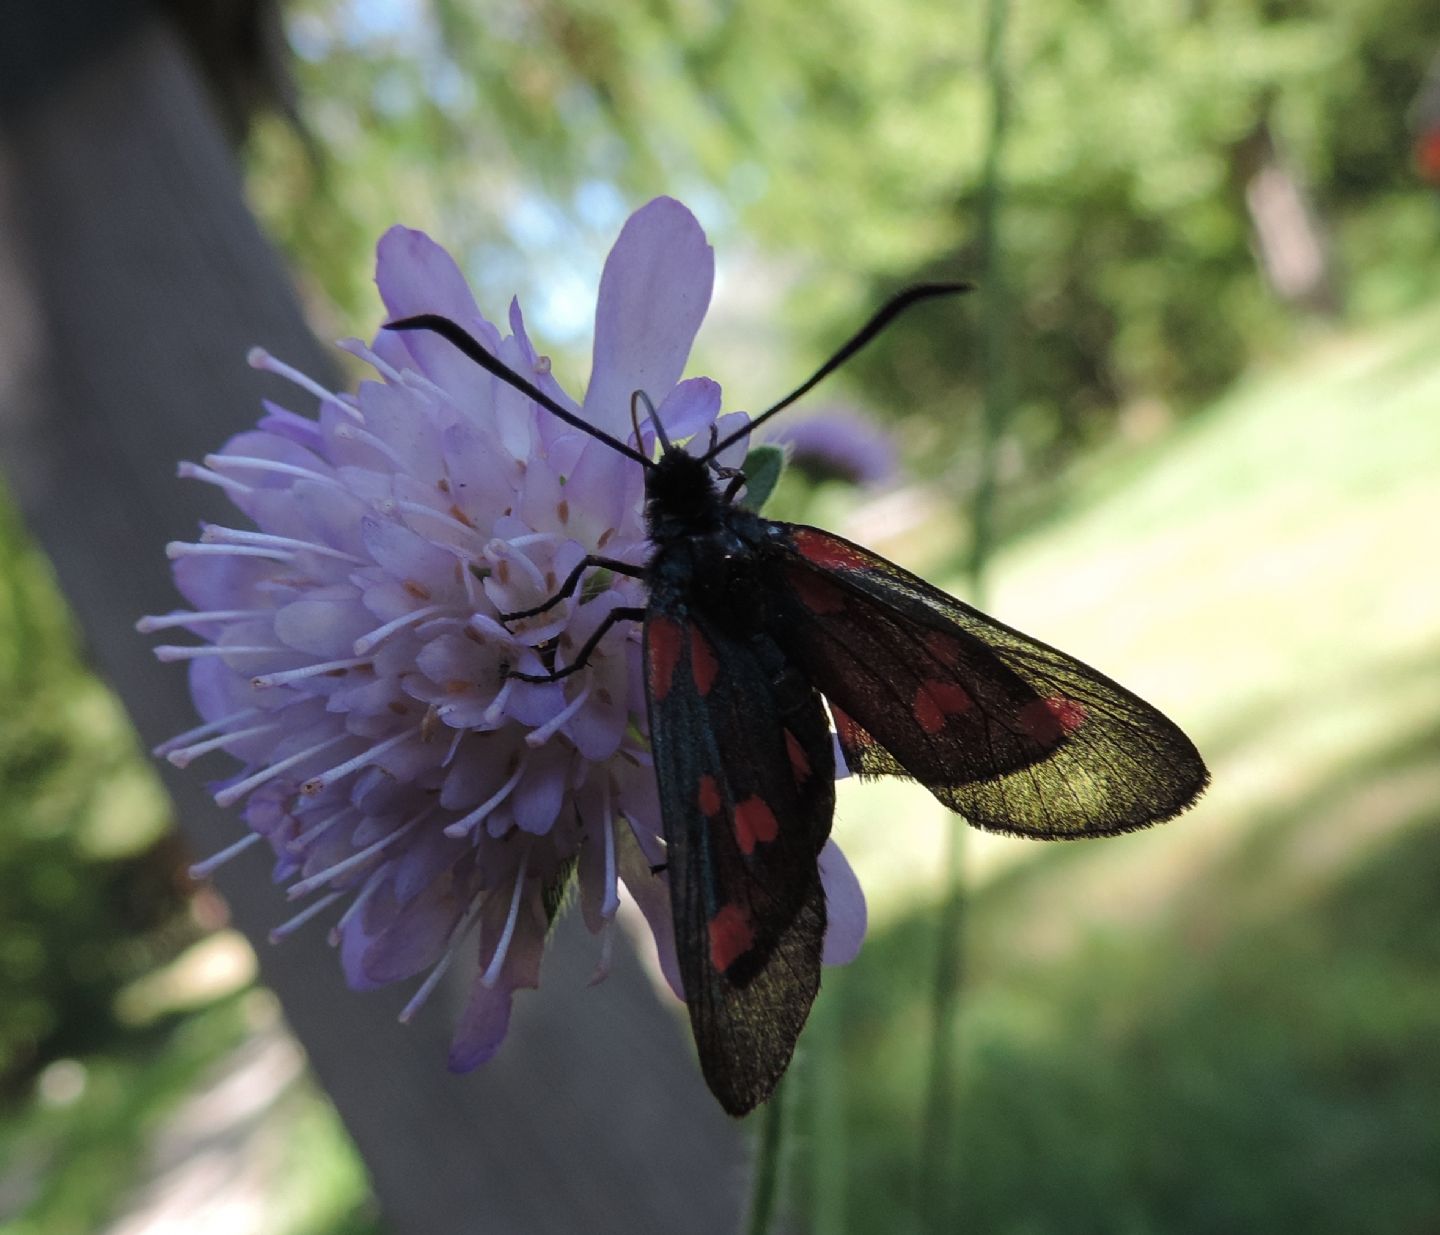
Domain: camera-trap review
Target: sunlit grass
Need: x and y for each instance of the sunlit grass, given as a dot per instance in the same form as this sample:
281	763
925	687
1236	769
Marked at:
1226	1023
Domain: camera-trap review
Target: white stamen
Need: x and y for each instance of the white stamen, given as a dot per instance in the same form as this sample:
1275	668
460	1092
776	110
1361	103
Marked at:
367	890
228	797
497	962
203	870
189	617
214	534
454	746
318	783
366	642
419	508
257	464
290	926
259	358
538	737
183	757
183	548
478	816
298	844
353	433
320	878
202	731
500	551
358	347
308	671
437	971
497	707
532	538
168	652
193	471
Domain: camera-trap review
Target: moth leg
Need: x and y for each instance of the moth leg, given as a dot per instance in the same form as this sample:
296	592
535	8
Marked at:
582	658
733	475
572	581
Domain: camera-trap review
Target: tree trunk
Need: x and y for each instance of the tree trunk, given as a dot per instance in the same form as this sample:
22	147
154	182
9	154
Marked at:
132	281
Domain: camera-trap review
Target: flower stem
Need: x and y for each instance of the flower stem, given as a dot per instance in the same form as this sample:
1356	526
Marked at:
765	1192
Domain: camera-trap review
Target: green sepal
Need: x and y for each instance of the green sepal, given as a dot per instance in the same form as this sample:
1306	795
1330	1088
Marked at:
762	469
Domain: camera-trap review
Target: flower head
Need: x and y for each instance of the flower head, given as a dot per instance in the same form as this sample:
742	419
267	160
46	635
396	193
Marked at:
353	657
839	444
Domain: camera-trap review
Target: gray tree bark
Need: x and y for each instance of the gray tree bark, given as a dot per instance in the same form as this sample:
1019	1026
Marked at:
132	281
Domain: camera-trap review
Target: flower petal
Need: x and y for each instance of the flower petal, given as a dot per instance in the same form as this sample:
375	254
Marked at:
653	296
845	911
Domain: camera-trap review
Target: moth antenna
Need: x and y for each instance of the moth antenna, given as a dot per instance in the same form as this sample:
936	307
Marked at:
641	397
879	320
472	348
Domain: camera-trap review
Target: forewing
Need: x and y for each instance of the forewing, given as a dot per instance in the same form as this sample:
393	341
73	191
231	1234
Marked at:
745	768
1014	735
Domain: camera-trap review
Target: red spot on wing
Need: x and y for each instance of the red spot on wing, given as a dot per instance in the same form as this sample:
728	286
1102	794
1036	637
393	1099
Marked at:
703	665
935	700
709	797
799	762
662	654
754	822
1049	720
828	552
816	592
731	936
944	648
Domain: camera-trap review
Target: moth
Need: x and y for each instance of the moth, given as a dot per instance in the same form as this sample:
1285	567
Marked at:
761	638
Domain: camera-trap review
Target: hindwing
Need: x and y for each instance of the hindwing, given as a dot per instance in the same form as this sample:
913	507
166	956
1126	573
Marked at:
745	768
1014	735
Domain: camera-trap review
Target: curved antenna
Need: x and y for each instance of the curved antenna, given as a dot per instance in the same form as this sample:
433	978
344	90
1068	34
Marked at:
640	396
472	348
881	318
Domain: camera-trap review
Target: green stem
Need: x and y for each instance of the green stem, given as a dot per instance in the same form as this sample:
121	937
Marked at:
938	1134
765	1193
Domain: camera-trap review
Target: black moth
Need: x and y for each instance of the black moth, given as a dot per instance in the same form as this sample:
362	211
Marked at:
753	629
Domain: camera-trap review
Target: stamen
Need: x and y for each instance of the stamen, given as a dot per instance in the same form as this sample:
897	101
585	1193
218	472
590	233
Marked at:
358	348
367	890
366	642
298	844
228	797
257	464
183	548
168	652
437	971
203	870
419	508
193	471
308	671
478	816
454	746
497	962
319	879
501	550
189	617
353	433
201	731
183	757
217	535
318	783
259	358
290	926
497	707
538	737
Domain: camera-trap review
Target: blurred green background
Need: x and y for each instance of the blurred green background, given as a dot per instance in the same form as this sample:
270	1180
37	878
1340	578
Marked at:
1206	340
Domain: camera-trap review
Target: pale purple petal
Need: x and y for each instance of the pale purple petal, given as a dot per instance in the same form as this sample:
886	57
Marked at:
653	296
845	911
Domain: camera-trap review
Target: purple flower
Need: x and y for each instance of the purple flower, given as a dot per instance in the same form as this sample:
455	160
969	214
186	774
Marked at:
352	659
839	444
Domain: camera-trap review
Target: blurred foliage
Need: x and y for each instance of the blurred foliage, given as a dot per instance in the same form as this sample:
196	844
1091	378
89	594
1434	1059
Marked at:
89	897
846	144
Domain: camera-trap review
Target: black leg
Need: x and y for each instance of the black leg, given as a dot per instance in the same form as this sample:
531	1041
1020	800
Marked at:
572	581
622	614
